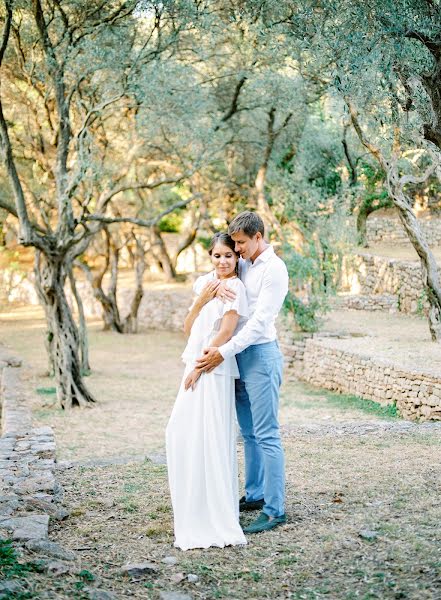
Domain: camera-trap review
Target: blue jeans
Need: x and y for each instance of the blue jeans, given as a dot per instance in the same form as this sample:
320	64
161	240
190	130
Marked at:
257	405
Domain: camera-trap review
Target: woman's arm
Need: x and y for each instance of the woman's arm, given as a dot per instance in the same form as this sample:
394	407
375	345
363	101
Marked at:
228	325
225	333
207	294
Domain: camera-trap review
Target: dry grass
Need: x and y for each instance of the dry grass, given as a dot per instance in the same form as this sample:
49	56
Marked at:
337	485
336	488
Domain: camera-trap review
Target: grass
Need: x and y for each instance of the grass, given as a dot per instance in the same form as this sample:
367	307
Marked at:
349	401
337	485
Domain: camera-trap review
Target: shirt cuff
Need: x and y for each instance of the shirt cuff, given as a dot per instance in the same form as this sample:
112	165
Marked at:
226	350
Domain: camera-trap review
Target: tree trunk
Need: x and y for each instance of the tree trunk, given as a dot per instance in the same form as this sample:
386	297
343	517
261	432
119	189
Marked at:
84	341
429	267
362	225
51	275
110	311
131	321
162	256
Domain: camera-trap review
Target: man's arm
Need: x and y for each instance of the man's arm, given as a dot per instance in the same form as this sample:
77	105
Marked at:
269	302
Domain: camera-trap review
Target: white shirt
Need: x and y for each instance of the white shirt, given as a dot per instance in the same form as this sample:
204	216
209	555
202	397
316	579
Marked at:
266	283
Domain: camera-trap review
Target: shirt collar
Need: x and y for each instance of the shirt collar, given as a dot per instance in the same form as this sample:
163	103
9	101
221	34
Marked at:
265	255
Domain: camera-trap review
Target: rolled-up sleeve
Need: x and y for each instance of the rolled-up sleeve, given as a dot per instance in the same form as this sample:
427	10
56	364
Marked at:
269	302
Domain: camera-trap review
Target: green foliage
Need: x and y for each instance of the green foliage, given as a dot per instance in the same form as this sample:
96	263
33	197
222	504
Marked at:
172	222
10	565
204	241
304	273
43	391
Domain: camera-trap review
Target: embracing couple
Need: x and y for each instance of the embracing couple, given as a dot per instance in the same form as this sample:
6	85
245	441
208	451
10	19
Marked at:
233	367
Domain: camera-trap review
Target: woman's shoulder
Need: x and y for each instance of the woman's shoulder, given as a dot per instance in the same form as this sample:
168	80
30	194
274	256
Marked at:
237	285
202	280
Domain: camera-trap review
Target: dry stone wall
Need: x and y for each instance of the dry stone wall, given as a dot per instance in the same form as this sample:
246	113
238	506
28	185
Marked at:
387	229
29	492
416	394
383	282
319	360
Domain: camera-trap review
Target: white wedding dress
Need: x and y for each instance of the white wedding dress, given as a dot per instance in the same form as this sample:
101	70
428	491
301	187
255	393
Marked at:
201	440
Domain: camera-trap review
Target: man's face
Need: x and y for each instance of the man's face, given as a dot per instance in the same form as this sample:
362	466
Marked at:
246	246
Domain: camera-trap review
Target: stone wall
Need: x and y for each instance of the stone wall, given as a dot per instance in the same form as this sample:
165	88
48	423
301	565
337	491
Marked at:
417	394
387	229
29	492
315	358
371	276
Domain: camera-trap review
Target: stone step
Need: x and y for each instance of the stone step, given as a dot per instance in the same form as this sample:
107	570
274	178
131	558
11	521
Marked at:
370	302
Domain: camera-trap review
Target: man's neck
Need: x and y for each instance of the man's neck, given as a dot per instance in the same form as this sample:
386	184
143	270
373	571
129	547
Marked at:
261	248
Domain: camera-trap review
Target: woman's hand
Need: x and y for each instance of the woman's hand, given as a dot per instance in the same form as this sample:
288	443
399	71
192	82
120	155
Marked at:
192	379
208	291
224	293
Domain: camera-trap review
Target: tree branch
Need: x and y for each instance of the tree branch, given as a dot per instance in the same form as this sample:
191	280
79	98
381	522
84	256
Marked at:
105	199
6	30
141	222
234	103
374	150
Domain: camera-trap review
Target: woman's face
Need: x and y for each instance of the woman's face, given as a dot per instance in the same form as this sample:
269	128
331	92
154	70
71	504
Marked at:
224	260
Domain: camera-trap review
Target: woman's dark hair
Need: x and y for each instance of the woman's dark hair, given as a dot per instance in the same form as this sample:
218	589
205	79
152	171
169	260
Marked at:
222	238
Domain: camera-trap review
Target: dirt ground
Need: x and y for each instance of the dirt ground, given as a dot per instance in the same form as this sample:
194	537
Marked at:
401	251
363	492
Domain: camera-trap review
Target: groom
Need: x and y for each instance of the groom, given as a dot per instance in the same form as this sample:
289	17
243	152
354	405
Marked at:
260	365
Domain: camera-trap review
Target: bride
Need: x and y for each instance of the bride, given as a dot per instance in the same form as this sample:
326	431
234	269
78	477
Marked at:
201	433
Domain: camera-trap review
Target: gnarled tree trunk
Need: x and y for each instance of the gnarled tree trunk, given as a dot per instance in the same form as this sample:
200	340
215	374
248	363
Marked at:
82	329
50	275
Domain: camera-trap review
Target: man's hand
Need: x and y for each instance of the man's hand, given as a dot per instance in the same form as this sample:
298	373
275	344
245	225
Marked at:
224	293
211	359
192	379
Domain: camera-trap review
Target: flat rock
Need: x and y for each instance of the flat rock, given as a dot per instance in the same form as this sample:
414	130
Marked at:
139	569
174	596
63	465
57	568
33	527
49	548
169	560
368	534
45	430
9	588
97	594
57	512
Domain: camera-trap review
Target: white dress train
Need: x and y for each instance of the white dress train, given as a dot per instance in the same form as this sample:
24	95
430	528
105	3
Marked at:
201	441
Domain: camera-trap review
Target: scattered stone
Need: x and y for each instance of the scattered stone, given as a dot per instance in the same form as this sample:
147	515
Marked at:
63	465
48	431
192	578
57	568
97	594
170	560
139	569
177	577
368	534
33	527
174	596
59	513
49	548
9	588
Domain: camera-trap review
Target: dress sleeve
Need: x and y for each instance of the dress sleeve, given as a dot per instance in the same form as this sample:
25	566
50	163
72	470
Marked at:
240	303
201	281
